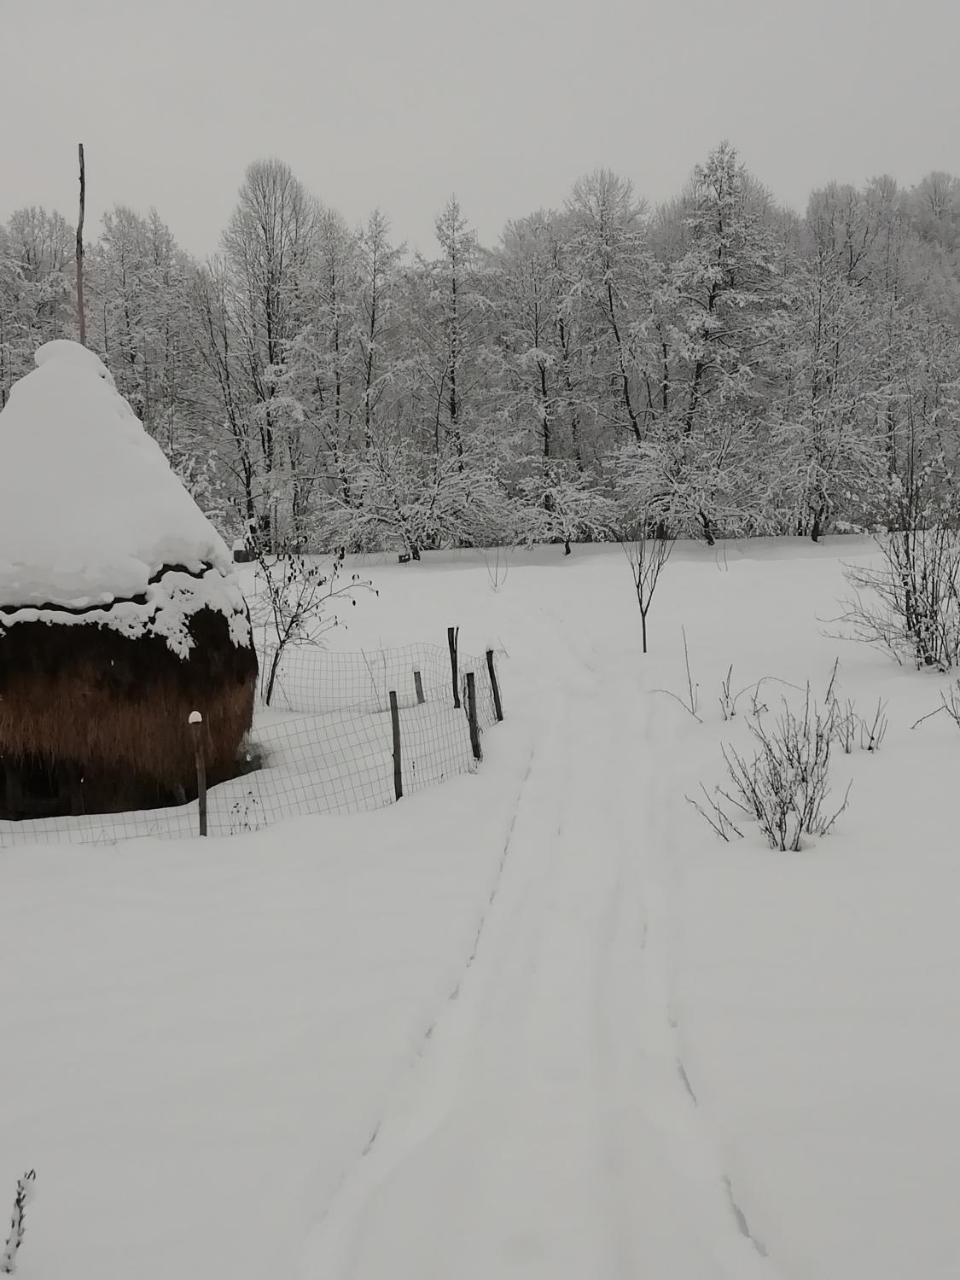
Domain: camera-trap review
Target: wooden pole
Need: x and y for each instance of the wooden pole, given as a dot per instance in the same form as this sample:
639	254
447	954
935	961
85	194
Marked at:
452	634
472	716
196	728
495	686
397	763
81	315
418	685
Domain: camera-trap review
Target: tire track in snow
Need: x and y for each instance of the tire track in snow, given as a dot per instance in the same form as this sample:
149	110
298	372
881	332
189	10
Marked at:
545	1128
662	846
453	994
437	1081
639	1046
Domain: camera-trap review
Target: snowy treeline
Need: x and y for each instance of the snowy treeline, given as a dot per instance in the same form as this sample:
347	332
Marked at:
719	363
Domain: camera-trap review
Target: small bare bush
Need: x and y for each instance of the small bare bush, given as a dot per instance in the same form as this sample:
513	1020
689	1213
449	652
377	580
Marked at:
844	724
847	726
785	786
911	604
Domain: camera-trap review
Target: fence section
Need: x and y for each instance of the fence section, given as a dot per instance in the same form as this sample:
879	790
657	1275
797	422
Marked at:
326	746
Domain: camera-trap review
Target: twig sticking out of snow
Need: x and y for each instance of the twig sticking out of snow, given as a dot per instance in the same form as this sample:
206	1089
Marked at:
25	1189
949	702
717	818
873	733
832	685
728	699
692	703
728	707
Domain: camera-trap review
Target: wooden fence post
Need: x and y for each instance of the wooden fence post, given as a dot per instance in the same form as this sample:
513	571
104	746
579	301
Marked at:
397	763
495	686
452	634
81	310
472	716
196	728
418	685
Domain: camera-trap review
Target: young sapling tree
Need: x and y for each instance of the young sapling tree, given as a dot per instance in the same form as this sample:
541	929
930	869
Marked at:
646	555
295	601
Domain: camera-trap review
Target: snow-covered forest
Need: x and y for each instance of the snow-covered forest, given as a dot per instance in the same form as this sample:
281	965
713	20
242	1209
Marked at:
719	363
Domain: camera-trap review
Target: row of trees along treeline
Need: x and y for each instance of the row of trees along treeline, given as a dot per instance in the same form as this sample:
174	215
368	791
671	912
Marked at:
718	362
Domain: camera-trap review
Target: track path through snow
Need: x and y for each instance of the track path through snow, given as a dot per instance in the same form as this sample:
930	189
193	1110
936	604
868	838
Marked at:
546	1130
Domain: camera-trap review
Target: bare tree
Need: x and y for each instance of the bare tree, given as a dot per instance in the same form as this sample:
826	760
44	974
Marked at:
911	604
646	556
295	601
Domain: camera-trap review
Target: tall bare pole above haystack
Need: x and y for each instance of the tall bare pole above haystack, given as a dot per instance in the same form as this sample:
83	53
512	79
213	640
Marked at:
83	198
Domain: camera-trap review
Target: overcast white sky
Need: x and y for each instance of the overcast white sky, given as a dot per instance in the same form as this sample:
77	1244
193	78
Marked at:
398	103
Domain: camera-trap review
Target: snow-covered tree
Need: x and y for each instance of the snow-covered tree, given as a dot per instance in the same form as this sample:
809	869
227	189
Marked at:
559	503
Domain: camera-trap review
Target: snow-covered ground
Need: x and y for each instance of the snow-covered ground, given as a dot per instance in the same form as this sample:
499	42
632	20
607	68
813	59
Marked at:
537	1021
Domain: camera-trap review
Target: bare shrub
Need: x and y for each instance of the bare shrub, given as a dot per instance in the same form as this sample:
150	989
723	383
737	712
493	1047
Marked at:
911	605
847	726
844	724
785	786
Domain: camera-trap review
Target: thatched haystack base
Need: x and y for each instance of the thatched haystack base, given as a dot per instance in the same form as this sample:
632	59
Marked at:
93	721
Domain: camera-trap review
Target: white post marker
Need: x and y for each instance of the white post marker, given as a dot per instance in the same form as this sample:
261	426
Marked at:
195	720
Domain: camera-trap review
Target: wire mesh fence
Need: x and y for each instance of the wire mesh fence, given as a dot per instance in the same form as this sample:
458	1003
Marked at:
328	744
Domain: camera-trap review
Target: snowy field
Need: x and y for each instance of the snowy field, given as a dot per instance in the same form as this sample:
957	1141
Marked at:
537	1021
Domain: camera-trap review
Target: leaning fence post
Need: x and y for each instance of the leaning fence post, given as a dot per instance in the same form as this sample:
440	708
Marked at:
472	716
397	763
452	634
196	728
418	685
495	686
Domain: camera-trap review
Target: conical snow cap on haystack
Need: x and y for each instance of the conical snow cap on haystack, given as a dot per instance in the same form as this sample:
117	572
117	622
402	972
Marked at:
118	604
91	512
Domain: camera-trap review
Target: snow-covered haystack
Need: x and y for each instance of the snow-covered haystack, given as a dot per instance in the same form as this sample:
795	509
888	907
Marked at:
119	611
